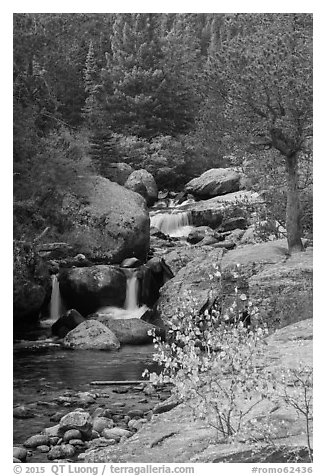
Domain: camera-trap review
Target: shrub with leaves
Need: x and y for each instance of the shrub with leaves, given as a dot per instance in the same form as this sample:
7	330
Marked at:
212	360
294	387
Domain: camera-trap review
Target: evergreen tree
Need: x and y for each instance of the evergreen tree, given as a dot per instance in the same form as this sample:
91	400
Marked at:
262	76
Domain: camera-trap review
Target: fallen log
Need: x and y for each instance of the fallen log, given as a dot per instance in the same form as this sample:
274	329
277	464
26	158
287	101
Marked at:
118	382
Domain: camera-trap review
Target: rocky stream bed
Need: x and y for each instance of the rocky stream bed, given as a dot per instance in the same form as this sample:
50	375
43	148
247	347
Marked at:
62	414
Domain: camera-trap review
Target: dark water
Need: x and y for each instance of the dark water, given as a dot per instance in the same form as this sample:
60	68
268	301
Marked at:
61	369
41	374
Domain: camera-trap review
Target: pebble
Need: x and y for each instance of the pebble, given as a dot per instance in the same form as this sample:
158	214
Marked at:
120	390
72	435
43	448
118	417
62	451
23	413
53	440
101	443
107	413
65	400
77	442
37	440
115	433
100	423
20	453
77	420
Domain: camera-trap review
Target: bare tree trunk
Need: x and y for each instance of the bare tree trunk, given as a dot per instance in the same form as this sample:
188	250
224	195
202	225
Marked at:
293	212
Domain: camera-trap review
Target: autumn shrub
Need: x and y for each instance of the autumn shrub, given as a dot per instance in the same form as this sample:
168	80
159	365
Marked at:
295	389
212	358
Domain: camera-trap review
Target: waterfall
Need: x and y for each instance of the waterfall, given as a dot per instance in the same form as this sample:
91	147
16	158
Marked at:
56	306
56	302
131	301
175	224
131	308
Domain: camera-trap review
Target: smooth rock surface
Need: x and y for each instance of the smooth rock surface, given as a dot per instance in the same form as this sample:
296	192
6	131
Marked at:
113	222
283	292
91	334
77	420
36	440
88	289
143	182
128	331
20	453
214	182
193	286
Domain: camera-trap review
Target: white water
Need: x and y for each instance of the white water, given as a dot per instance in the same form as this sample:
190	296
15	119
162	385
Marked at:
131	301
56	302
56	307
175	224
131	308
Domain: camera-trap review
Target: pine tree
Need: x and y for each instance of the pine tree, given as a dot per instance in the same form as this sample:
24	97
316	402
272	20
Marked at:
262	75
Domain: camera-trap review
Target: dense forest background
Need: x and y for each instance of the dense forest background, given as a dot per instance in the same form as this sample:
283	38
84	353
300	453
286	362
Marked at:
175	94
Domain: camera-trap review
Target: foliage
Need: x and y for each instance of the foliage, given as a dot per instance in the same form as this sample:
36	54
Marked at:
40	187
175	94
295	388
259	89
212	359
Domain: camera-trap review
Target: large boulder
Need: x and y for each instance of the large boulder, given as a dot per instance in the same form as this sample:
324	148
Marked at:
129	331
193	286
214	182
119	172
181	256
199	233
254	258
153	275
112	223
218	210
88	289
91	334
143	183
278	285
283	292
66	323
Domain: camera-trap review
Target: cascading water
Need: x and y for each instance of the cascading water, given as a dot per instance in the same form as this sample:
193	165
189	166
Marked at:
131	309
132	288
56	307
175	224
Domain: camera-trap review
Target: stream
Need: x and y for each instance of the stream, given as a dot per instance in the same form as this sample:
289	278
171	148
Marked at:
44	371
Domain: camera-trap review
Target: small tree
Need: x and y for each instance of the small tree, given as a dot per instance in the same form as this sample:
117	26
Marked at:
261	74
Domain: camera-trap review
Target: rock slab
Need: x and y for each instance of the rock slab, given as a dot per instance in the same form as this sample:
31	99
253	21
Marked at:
214	182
